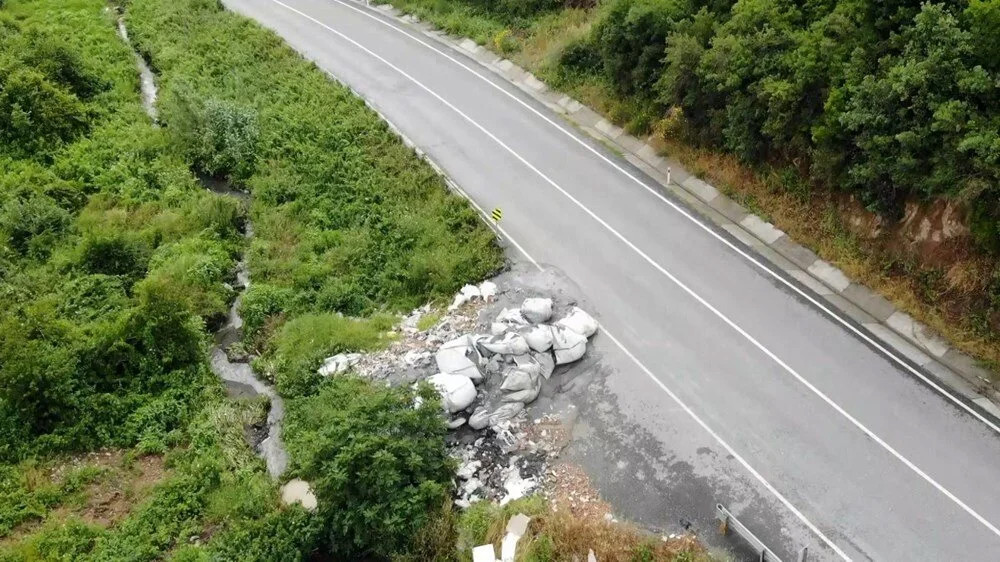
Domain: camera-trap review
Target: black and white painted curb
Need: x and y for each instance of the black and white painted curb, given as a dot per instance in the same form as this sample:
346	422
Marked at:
889	327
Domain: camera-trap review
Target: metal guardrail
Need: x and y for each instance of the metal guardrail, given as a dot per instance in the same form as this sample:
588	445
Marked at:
729	522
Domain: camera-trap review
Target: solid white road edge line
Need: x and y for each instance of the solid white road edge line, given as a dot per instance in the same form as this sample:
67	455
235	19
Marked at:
889	353
670	276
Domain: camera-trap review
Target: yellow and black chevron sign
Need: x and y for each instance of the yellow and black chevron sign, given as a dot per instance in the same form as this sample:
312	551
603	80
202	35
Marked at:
497	214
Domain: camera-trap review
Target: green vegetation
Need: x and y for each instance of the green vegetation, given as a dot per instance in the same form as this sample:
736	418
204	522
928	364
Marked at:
377	463
116	264
111	256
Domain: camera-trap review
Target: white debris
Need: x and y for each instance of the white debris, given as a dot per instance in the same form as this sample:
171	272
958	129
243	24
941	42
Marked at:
298	491
459	357
469	469
515	486
539	338
580	322
516	528
512	317
487	290
537	310
466	294
456	423
457	391
591	557
568	345
510	343
416	357
338	363
484	553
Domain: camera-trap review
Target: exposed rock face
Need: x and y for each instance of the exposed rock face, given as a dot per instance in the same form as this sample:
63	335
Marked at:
931	231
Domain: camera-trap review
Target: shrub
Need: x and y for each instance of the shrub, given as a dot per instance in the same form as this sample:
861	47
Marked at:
260	303
114	253
377	463
34	224
36	116
220	137
630	38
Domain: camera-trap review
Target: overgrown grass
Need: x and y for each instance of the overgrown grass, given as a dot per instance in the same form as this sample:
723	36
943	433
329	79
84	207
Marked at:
559	536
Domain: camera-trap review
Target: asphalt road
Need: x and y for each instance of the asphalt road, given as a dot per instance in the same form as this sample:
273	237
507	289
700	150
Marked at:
818	438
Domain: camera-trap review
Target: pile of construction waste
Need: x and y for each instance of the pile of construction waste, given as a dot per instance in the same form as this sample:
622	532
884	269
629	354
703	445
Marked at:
488	355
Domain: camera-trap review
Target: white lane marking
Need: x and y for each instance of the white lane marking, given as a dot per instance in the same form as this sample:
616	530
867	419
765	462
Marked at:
667	274
682	211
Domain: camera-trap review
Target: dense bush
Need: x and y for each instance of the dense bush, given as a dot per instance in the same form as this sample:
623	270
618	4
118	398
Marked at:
220	137
630	39
378	463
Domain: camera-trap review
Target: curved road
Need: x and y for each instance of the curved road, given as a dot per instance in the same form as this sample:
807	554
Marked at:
816	436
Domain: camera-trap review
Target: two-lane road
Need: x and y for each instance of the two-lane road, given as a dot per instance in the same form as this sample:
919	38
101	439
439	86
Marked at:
823	438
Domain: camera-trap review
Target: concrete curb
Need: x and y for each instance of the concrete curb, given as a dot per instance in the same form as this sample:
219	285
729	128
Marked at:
891	327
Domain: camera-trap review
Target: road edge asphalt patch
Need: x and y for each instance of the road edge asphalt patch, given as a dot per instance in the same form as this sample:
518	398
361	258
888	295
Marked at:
883	322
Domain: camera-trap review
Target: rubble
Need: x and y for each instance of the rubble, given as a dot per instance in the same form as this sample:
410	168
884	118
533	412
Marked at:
487	368
338	363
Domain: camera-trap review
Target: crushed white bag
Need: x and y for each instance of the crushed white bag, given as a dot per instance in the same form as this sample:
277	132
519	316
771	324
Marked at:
536	310
520	378
466	294
508	344
567	344
459	357
525	396
539	338
580	322
457	391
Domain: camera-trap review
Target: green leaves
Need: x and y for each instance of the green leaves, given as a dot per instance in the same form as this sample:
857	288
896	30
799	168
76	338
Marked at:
377	463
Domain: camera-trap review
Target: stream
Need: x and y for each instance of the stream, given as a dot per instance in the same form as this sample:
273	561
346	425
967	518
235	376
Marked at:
235	373
147	82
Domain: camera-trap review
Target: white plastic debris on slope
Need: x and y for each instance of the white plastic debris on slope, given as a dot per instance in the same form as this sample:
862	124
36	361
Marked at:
517	527
537	310
338	363
580	322
466	294
567	344
298	491
484	553
459	357
487	290
457	391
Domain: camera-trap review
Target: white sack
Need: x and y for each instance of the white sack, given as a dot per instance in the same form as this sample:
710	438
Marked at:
457	391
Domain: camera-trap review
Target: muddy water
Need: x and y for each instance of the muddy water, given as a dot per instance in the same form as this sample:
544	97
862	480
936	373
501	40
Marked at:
237	374
147	83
